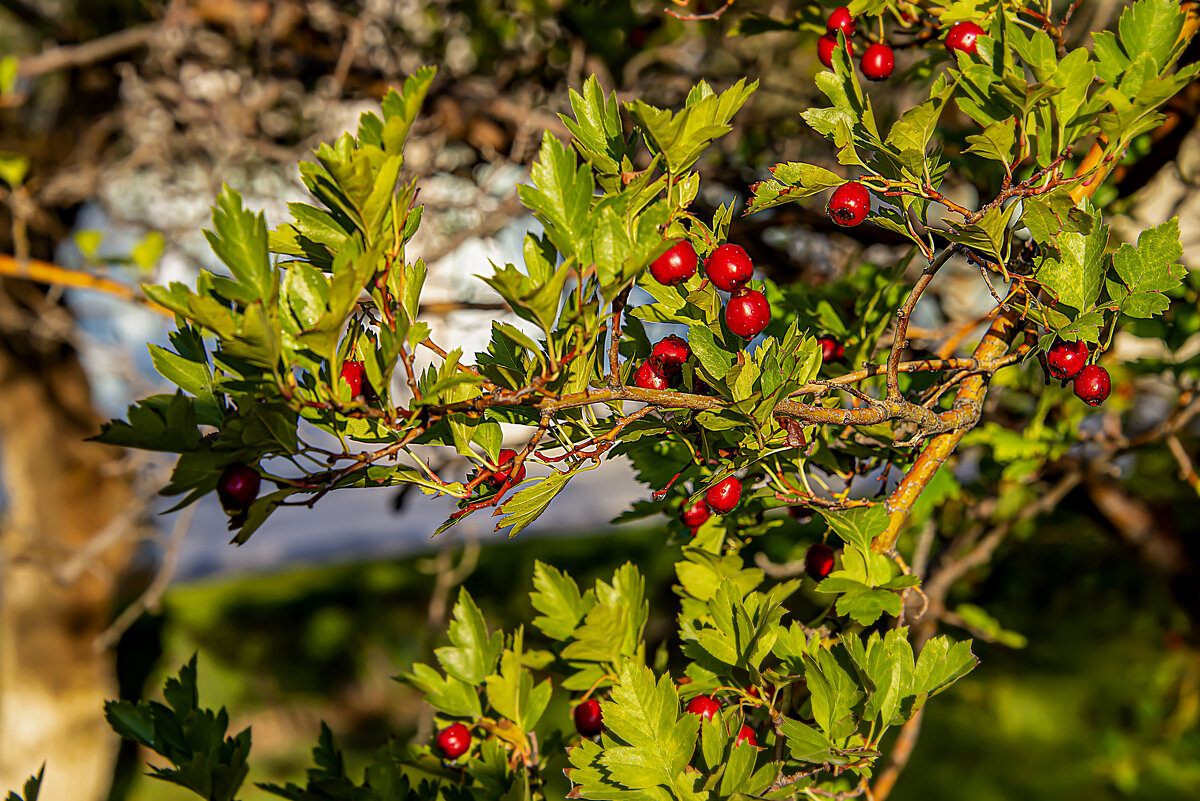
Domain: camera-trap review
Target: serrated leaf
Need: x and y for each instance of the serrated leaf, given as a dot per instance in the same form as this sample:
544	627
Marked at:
1150	269
866	606
474	652
557	596
858	526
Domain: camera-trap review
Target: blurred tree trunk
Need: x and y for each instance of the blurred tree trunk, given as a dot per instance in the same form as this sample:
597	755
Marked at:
57	578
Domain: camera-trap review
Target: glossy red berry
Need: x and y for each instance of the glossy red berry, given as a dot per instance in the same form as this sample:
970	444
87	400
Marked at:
962	37
647	377
694	515
746	735
453	741
676	265
830	348
840	20
747	313
238	487
588	720
729	267
1065	359
504	466
1092	385
826	45
354	374
878	62
723	496
670	354
818	561
703	705
849	204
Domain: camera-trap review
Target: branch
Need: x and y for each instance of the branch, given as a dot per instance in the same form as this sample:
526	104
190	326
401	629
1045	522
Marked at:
46	273
970	397
900	341
101	49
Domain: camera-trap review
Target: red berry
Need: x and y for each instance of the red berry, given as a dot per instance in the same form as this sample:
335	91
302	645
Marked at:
676	265
818	561
703	705
693	516
830	348
1066	359
849	204
453	741
238	487
504	467
354	374
747	313
746	735
647	377
588	720
729	267
962	37
1092	385
841	20
670	354
723	496
825	48
878	62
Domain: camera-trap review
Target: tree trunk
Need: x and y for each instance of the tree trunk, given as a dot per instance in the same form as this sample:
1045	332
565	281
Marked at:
57	579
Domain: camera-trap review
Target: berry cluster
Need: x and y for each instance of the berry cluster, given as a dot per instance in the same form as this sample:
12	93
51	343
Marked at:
1068	361
878	61
665	365
722	498
729	268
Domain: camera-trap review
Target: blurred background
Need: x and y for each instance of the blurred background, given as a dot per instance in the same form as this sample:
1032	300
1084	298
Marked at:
120	119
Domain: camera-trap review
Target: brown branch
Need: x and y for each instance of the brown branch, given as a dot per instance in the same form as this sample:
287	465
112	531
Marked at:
46	273
970	397
101	49
614	338
900	341
1187	471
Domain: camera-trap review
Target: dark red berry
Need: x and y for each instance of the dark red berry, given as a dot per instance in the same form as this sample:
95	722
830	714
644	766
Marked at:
962	37
676	265
1065	359
694	515
504	466
723	496
729	267
878	62
841	20
647	377
826	45
818	561
1092	385
849	204
588	720
830	348
747	313
453	741
238	487
746	735
670	354
703	705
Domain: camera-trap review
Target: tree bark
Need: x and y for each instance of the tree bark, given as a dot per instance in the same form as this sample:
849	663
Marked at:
60	493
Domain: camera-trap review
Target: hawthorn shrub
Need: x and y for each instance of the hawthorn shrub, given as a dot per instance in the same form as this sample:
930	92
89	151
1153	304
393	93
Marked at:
781	681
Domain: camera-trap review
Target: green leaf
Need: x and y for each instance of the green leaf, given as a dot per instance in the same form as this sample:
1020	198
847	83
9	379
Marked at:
400	108
13	168
599	135
1152	27
1046	216
512	693
792	181
556	595
858	526
239	238
866	606
148	251
528	504
1150	269
157	423
988	236
1076	276
978	618
996	141
942	663
805	743
472	658
649	743
561	196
